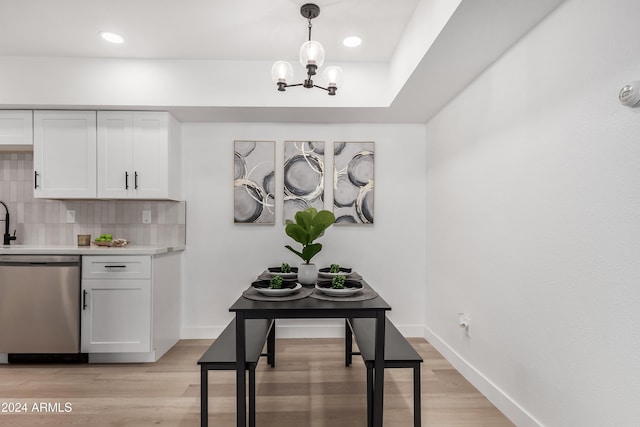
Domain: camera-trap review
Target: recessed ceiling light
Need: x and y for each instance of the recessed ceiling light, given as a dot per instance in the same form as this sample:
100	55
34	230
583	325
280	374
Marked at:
111	37
352	41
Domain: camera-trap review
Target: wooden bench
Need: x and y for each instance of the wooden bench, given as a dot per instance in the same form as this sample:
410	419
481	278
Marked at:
398	353
222	356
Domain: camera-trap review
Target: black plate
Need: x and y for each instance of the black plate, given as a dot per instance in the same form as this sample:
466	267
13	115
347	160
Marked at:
347	284
286	284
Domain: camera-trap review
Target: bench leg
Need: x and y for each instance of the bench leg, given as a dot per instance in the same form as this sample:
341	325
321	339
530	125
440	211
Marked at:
271	345
204	396
252	395
348	344
417	398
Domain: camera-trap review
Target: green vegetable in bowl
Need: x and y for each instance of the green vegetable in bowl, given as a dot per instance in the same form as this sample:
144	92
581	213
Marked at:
285	268
338	282
335	268
275	282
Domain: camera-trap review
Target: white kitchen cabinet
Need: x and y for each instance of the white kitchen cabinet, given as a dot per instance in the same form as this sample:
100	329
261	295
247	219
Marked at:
130	307
16	129
116	308
64	154
116	316
138	155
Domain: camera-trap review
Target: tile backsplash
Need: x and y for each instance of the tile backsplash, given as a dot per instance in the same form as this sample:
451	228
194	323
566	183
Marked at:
44	222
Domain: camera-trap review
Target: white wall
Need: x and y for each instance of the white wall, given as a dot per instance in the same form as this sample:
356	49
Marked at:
533	223
222	259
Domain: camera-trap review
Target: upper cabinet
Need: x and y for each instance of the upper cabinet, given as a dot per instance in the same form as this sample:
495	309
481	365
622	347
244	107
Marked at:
106	155
16	128
138	155
64	154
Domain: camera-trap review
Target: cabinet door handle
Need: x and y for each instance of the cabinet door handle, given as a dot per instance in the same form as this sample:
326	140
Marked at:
35	179
135	180
84	300
126	180
115	266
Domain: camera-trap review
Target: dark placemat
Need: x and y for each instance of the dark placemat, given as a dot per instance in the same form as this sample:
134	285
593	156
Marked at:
251	293
366	294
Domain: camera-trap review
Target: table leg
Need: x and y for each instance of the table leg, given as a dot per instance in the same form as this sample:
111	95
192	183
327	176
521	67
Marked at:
252	395
271	345
204	396
417	399
348	344
241	386
369	395
378	371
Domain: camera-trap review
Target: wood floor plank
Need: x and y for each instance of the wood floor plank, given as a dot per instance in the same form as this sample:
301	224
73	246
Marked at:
310	387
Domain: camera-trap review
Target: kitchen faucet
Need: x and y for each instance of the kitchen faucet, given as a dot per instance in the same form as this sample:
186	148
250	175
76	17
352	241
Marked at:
7	237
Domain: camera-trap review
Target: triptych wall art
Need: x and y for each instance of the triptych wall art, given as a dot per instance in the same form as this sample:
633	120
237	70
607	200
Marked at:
303	176
254	183
353	166
303	180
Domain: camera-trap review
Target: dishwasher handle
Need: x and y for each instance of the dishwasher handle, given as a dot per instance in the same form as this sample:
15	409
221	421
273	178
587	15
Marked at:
30	260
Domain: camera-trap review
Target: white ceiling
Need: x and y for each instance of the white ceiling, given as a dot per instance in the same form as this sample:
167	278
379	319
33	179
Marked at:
200	29
237	31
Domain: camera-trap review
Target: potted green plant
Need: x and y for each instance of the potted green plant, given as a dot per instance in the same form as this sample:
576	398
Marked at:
308	226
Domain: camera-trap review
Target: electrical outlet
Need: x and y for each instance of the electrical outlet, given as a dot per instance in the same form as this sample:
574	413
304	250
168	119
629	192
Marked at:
464	322
146	217
71	217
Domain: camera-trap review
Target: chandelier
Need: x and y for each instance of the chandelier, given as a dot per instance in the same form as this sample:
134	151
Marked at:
311	57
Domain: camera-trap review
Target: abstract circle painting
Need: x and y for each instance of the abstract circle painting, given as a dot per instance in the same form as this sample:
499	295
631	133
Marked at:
254	182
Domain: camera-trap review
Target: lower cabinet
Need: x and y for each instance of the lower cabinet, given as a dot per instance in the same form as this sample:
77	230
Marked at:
130	307
116	316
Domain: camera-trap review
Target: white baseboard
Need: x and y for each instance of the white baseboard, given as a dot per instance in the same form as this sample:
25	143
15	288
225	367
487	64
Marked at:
517	414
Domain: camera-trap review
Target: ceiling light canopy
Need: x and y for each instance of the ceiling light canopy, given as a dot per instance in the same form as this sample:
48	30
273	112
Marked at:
111	37
311	57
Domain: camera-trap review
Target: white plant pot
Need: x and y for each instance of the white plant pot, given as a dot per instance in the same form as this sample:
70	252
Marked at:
307	274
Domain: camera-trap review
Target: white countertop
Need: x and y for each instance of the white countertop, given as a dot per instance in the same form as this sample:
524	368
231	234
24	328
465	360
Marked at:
87	250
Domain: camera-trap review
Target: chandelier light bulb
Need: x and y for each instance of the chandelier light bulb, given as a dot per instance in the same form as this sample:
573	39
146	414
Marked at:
312	53
333	76
282	72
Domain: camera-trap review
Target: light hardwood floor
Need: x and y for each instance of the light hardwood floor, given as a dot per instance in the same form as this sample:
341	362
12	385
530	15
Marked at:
310	387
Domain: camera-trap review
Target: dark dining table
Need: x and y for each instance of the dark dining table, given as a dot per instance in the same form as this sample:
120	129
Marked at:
310	308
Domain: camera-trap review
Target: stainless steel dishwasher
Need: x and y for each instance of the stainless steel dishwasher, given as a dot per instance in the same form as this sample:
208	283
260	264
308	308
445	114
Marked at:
39	304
